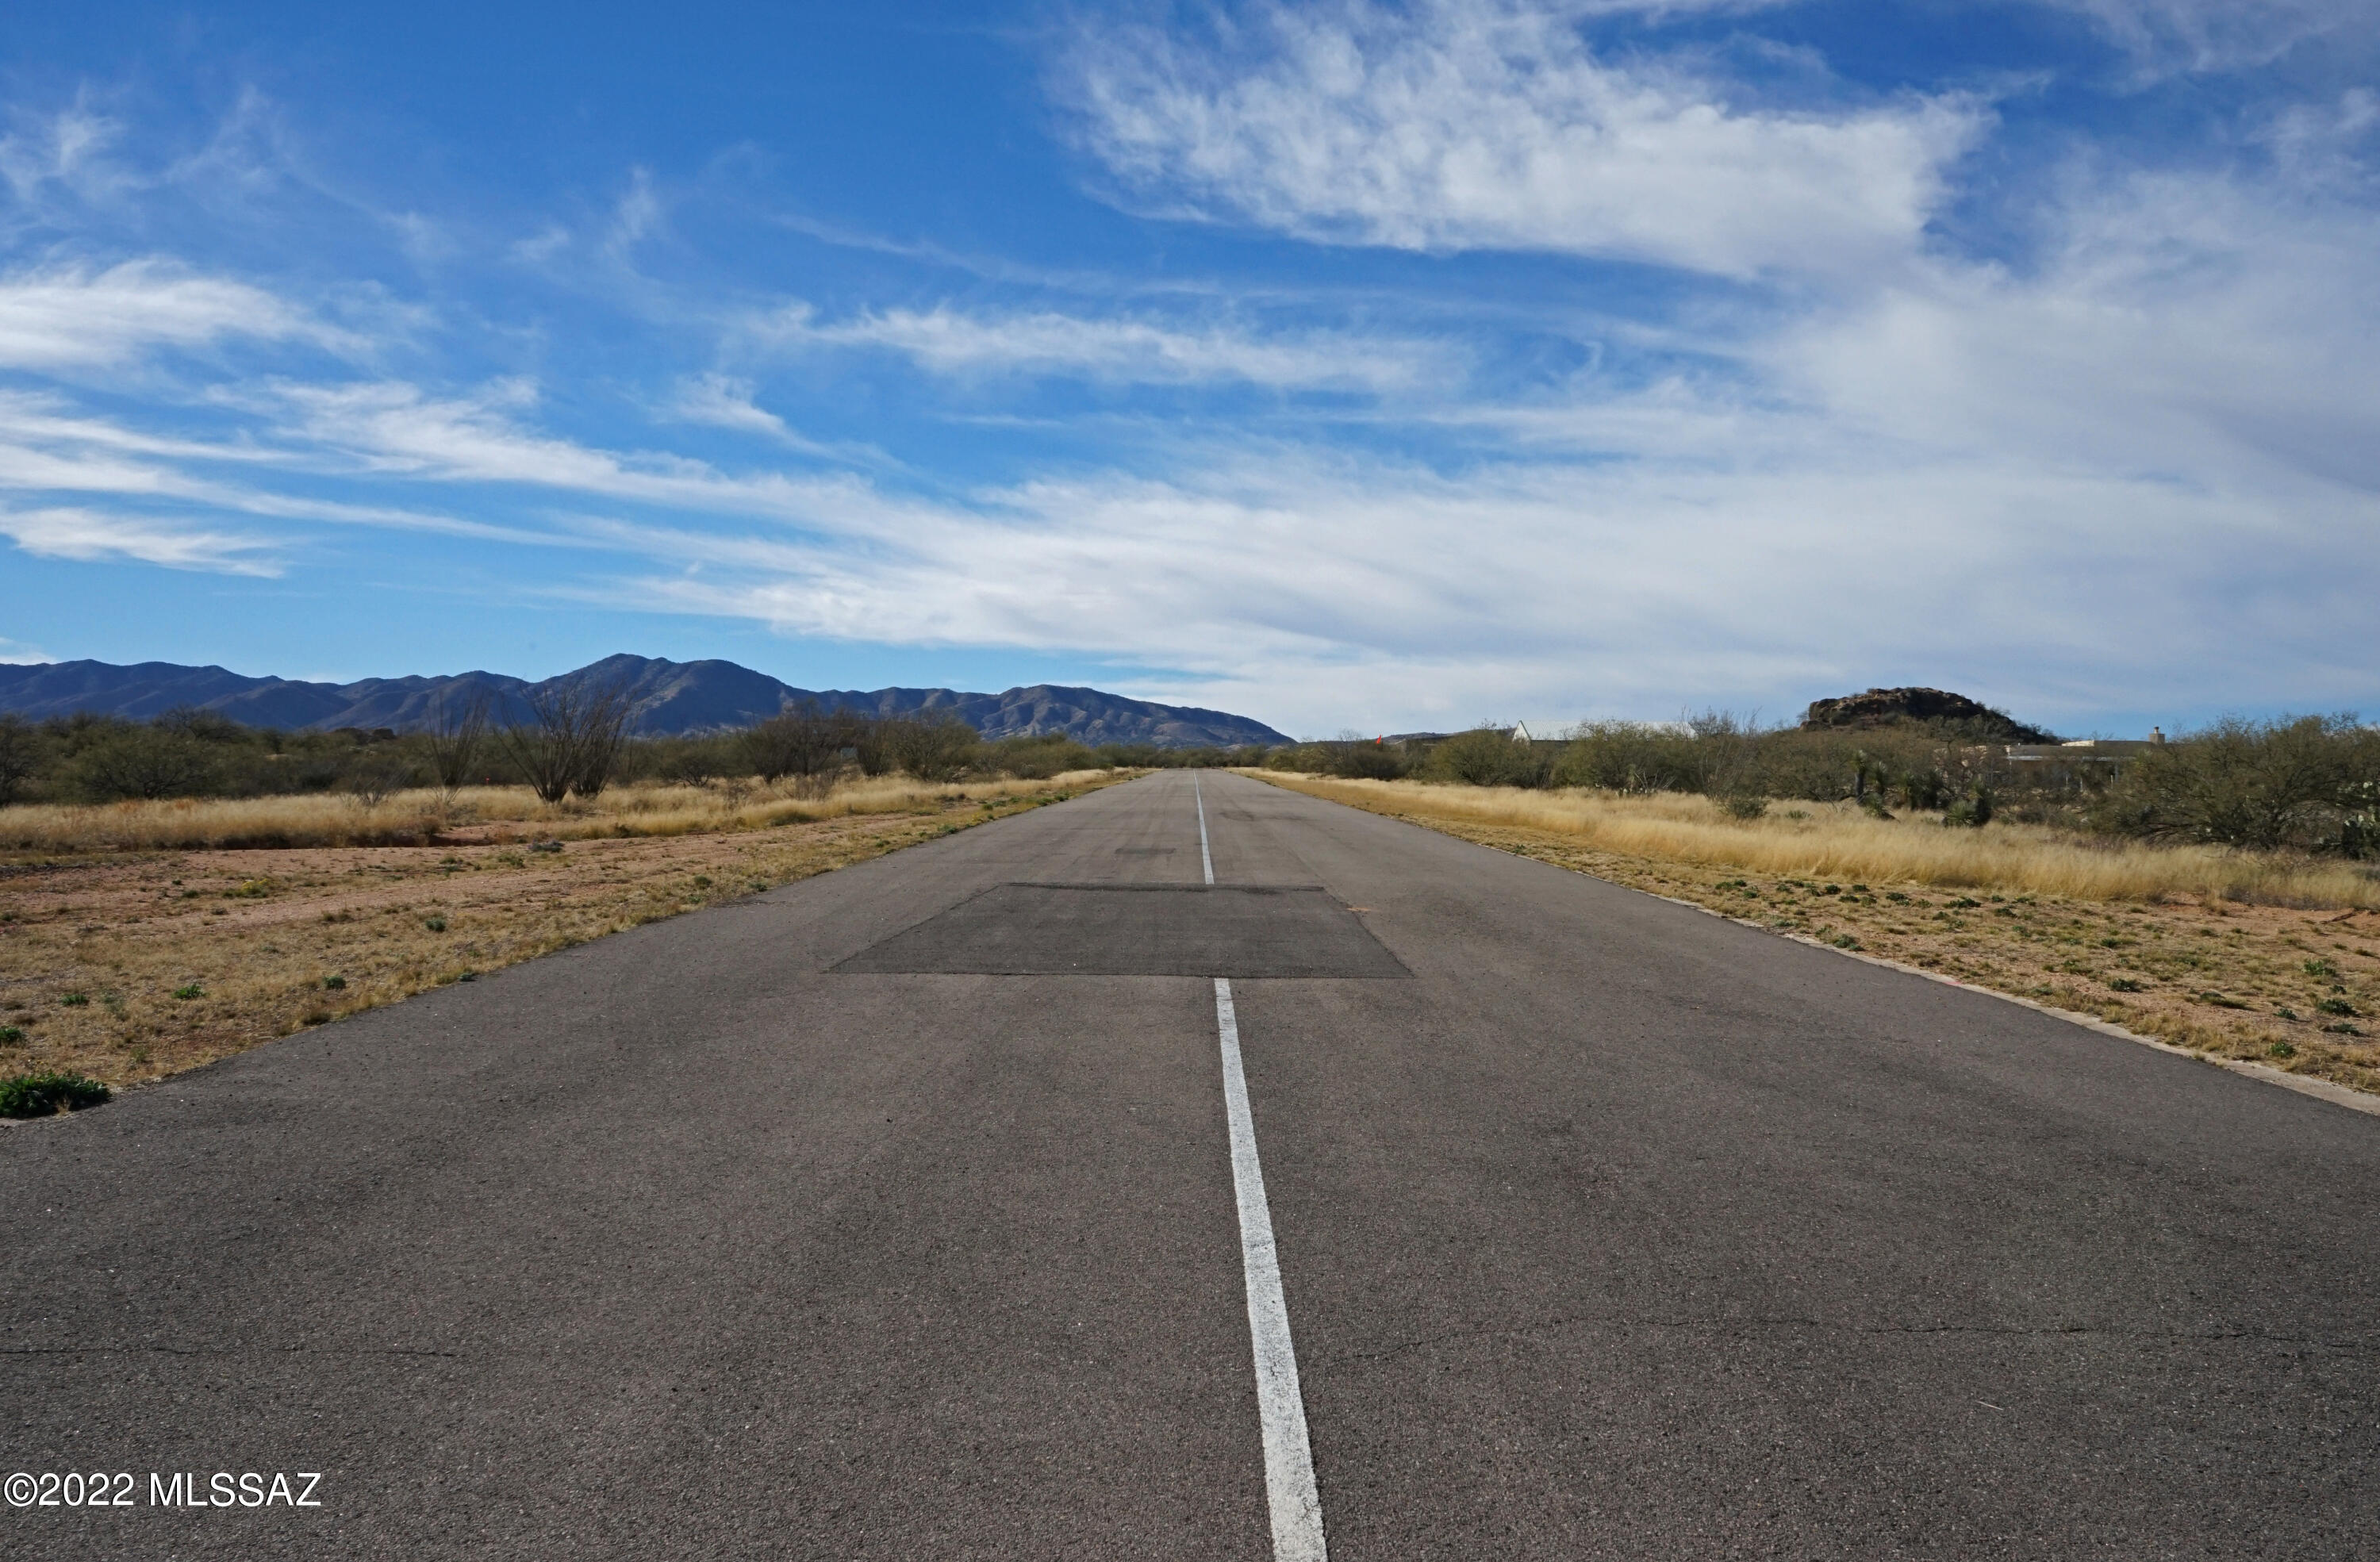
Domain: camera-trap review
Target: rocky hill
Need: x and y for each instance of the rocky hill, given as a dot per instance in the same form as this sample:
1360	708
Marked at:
669	698
1965	718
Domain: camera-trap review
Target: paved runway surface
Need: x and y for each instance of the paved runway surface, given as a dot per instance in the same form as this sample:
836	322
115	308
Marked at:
804	1227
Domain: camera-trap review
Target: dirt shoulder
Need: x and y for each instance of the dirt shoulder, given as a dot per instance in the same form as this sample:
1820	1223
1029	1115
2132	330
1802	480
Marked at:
2296	989
129	967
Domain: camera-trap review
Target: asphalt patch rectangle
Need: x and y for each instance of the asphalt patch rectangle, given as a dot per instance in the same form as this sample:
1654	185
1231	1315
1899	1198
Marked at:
1242	930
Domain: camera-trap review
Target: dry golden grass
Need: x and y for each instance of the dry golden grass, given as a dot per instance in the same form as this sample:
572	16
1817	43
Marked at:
472	815
2163	949
182	956
1837	841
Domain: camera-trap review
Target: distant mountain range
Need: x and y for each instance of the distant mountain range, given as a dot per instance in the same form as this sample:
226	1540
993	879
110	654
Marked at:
668	697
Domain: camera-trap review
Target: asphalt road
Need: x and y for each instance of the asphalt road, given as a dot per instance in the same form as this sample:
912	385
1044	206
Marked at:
891	1215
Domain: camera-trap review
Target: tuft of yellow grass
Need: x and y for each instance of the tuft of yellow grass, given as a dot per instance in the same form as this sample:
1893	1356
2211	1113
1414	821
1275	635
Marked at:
2272	982
476	814
1841	842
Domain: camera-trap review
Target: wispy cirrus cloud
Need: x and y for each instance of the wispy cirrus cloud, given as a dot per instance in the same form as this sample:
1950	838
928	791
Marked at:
76	317
2164	36
1463	124
726	401
394	430
1121	349
94	535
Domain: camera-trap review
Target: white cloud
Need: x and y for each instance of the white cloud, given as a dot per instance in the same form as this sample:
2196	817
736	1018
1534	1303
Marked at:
2191	328
45	419
541	246
92	536
48	451
636	215
72	317
2215	35
1318	591
2140	472
947	341
1475	124
65	151
392	430
723	401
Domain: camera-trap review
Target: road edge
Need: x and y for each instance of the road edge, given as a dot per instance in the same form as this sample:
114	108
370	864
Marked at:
2320	1089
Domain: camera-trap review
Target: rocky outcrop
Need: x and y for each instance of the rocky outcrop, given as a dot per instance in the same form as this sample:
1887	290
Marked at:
1914	707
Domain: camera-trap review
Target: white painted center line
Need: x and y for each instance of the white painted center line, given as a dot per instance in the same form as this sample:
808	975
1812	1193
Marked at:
1289	1459
1205	858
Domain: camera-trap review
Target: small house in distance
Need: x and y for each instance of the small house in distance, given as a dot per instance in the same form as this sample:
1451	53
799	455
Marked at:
2109	755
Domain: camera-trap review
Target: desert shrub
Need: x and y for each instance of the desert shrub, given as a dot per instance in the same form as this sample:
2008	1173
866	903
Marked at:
38	1095
1355	758
694	759
22	756
1630	757
1485	756
1928	788
1039	757
872	747
930	748
2292	781
145	762
2358	829
1715	752
1973	811
1374	759
373	776
1819	767
806	742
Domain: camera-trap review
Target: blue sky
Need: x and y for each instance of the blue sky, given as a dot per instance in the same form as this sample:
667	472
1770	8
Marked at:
1351	366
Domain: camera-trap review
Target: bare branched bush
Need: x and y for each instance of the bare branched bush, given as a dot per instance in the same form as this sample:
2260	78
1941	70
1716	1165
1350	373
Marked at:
458	730
377	775
572	740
